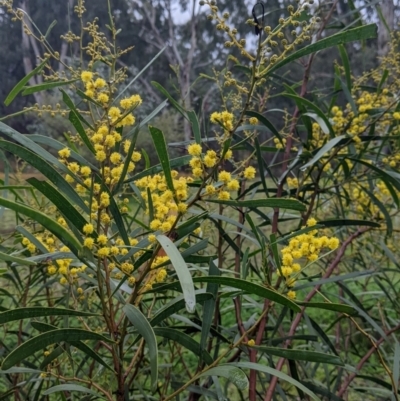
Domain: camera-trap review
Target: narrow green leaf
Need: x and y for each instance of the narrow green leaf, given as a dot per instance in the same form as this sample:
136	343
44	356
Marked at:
70	387
9	258
46	169
174	163
142	325
230	372
310	105
351	35
62	203
325	149
329	306
38	311
57	145
264	120
182	271
184	340
20	85
302	355
76	122
161	148
176	305
251	288
45	327
47	85
348	222
277	373
44	340
346	65
209	306
68	101
58	230
174	103
291	204
195	126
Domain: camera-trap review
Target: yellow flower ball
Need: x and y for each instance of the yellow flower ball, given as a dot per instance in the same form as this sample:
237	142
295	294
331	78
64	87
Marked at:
86	76
249	172
194	149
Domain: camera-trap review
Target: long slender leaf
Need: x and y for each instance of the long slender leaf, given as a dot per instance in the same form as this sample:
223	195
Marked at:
251	288
182	271
144	328
43	340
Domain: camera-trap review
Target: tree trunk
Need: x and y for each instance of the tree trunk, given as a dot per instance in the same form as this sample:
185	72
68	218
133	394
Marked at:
27	41
387	8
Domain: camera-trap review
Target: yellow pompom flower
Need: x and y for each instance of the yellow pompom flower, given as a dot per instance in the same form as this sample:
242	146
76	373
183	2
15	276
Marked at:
101	155
103	98
233	185
197	172
291	294
210	189
104	199
136	99
88	228
85	171
249	172
86	76
333	243
103	130
99	83
224	195
109	141
115	157
89	93
194	149
182	207
64	153
114	113
88	242
311	222
136	156
103	252
126	103
209	161
251	343
228	154
155	224
253	120
224	176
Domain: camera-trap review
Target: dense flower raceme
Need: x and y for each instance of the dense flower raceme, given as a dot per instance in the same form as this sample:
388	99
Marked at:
301	252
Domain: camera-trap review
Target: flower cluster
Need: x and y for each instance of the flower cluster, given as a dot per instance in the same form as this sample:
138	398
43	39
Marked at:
305	247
